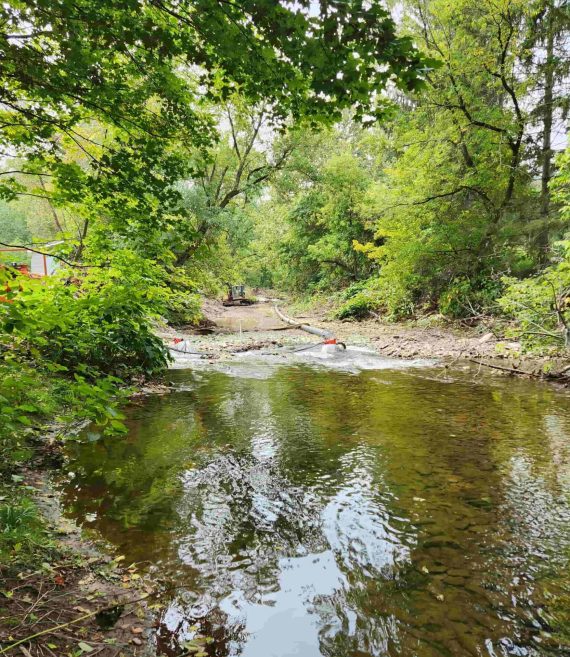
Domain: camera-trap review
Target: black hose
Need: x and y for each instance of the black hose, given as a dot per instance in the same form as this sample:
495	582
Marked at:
311	346
192	353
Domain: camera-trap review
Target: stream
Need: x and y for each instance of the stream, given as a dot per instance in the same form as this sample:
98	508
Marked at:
289	509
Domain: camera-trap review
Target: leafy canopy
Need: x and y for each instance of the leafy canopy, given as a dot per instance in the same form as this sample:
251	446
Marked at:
143	69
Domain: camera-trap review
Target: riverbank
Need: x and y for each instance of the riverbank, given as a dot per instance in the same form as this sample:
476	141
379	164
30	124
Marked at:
483	344
63	591
253	327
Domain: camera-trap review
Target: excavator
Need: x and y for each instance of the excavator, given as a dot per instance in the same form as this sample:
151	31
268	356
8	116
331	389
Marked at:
236	296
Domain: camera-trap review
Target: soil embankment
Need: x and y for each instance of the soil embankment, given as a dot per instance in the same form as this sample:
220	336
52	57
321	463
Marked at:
445	343
82	599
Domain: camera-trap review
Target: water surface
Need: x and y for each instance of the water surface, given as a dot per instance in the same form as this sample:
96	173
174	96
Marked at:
310	512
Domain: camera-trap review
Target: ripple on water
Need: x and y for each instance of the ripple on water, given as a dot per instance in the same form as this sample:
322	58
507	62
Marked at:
342	512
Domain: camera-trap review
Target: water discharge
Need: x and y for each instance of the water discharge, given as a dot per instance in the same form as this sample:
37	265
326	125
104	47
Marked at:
298	511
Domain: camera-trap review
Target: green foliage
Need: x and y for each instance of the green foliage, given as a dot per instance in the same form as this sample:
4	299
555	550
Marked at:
13	230
26	396
98	322
540	306
358	301
466	297
69	345
311	245
21	531
34	394
142	72
453	204
560	186
182	303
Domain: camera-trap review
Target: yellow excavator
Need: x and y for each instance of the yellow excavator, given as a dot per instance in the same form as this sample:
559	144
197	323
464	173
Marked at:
236	296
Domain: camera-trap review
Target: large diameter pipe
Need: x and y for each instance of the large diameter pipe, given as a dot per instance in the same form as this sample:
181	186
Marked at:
304	327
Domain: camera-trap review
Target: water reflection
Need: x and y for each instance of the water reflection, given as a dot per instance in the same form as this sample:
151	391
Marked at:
322	513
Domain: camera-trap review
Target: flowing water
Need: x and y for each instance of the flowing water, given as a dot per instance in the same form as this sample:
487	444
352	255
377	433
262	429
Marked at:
294	511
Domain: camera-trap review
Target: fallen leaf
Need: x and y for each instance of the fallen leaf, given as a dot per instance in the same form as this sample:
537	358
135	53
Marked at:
137	630
85	647
136	641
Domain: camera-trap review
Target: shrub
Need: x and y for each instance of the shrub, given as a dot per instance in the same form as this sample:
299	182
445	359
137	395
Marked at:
21	530
183	305
68	347
540	306
360	300
468	297
99	324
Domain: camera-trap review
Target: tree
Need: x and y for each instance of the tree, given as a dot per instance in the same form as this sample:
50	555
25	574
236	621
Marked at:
312	214
540	305
458	205
143	69
232	173
548	23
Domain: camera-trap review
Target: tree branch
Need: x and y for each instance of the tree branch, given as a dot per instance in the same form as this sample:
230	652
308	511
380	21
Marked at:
51	255
429	199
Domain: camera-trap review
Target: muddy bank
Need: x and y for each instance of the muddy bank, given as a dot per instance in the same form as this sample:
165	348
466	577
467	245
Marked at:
237	329
447	344
232	330
82	598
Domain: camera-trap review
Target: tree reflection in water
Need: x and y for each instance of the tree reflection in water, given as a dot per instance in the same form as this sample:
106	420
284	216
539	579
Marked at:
322	513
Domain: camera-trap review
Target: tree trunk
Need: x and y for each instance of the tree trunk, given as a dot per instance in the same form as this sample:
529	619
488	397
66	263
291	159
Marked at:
548	109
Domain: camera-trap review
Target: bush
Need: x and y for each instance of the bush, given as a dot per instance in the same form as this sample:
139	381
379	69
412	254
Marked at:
21	530
183	305
69	346
540	306
469	297
360	300
99	324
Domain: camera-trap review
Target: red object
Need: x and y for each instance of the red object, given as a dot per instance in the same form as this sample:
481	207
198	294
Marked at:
177	340
330	341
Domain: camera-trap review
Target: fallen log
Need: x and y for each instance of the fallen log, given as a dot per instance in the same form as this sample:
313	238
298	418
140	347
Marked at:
552	376
510	370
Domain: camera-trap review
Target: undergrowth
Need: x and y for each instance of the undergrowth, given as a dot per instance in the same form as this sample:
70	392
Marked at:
70	350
